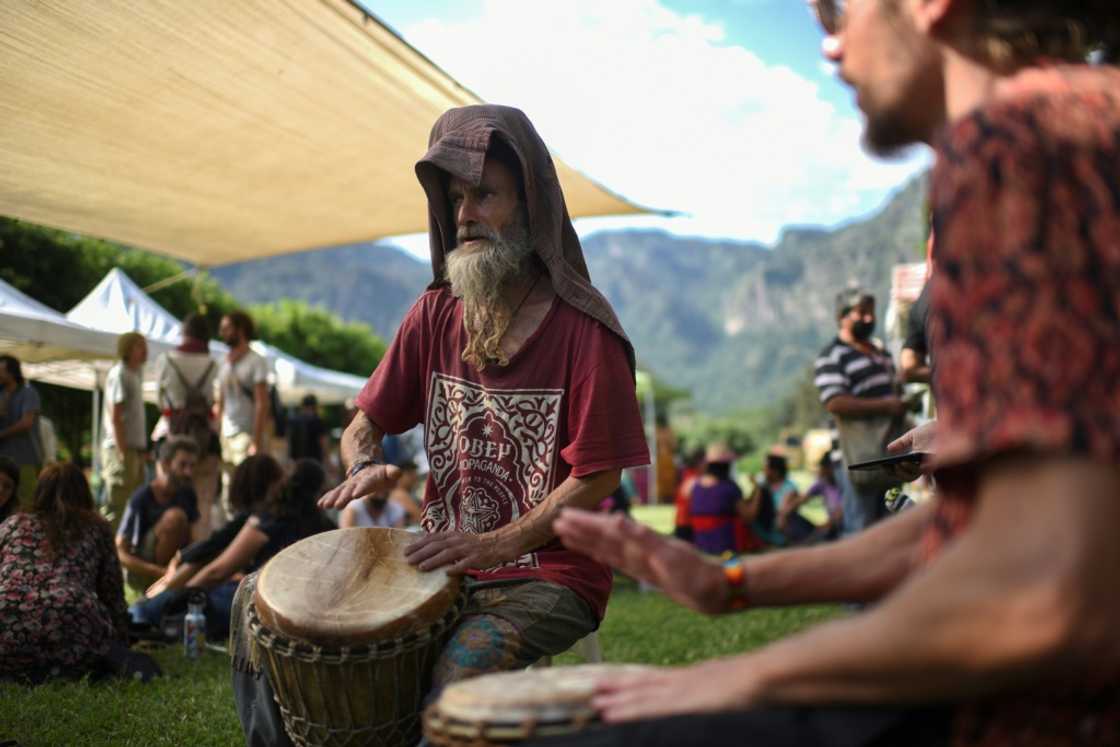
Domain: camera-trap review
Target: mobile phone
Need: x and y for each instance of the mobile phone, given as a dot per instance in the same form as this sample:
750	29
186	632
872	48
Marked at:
911	457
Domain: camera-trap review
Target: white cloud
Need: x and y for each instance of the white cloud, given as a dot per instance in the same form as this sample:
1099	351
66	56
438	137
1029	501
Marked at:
661	108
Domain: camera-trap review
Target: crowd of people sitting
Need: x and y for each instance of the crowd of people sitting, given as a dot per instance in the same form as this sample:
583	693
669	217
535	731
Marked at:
67	565
716	514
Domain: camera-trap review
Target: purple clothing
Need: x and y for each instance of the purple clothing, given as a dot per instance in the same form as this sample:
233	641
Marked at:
832	495
714	510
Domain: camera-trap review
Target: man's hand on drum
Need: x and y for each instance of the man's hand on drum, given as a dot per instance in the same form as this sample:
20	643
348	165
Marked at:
455	552
710	686
685	575
374	479
918	439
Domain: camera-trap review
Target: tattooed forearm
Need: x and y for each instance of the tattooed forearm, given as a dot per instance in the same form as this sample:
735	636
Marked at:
361	440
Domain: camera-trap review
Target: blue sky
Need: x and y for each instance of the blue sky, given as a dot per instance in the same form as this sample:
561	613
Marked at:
721	109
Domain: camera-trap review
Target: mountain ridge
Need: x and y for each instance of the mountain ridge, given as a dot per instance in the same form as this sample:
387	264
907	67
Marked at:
734	322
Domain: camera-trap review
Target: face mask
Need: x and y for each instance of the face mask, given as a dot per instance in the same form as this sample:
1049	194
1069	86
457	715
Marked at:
862	330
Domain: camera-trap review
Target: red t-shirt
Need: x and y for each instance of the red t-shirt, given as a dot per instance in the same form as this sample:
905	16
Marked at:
500	440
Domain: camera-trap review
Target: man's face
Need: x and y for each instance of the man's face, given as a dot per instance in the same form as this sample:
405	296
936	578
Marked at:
484	213
138	355
229	332
860	321
6	377
180	469
893	68
491	234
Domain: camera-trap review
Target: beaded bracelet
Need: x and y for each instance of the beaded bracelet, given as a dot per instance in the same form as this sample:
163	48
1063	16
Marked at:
735	574
361	464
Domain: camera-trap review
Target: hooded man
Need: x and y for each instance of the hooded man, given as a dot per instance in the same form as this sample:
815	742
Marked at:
524	381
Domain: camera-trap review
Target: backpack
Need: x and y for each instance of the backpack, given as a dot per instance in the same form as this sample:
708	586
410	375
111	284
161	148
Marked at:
193	418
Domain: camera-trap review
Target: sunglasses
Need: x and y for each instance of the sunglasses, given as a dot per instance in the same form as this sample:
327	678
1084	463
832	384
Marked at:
830	13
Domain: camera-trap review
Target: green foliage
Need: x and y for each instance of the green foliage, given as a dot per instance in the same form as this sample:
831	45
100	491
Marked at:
801	409
59	268
697	431
318	336
193	703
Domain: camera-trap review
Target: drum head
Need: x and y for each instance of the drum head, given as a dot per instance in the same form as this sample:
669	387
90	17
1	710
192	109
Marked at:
553	695
350	587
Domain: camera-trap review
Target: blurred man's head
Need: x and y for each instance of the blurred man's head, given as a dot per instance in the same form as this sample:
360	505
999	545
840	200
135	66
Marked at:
310	404
177	458
896	54
195	327
132	349
855	314
236	328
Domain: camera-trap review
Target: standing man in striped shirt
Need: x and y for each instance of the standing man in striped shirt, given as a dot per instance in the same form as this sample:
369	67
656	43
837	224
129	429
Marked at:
857	381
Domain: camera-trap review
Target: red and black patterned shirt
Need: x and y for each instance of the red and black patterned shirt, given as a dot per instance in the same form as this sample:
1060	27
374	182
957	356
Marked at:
1025	320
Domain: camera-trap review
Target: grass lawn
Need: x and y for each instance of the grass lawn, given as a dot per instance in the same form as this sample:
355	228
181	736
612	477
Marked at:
192	704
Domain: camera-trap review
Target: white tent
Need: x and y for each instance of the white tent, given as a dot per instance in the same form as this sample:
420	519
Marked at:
37	334
119	305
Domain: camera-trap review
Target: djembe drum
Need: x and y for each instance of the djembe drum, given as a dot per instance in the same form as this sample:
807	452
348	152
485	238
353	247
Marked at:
509	707
351	632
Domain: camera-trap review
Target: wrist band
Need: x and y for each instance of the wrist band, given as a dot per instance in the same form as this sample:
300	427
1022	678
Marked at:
361	464
735	574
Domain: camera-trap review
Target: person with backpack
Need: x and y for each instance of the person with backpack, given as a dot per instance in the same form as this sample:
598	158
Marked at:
242	399
185	380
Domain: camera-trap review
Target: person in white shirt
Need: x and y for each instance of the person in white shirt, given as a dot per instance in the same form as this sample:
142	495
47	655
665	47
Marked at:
372	511
125	444
242	399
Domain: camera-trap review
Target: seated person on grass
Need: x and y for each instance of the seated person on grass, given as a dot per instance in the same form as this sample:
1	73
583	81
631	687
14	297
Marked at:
62	609
799	530
161	517
283	511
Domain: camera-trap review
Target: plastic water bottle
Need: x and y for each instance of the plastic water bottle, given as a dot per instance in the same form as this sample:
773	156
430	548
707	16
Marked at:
194	625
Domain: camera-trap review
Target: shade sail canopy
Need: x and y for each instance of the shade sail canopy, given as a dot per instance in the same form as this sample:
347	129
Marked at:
218	131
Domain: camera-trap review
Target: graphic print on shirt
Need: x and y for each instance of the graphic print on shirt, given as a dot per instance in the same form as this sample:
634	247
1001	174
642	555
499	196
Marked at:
491	453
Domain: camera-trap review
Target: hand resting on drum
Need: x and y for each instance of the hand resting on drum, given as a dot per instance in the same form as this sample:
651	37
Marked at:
377	478
454	552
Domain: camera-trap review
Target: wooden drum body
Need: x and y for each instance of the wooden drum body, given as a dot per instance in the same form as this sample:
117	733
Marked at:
351	633
509	707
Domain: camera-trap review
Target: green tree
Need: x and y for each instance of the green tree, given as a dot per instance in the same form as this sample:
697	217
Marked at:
318	336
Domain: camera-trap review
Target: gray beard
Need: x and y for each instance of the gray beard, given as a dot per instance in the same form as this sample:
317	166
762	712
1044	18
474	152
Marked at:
479	278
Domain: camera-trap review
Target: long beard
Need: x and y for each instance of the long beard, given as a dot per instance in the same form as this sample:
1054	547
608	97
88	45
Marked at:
480	279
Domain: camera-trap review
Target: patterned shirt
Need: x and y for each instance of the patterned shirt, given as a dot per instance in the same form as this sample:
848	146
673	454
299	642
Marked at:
57	609
842	369
1025	319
